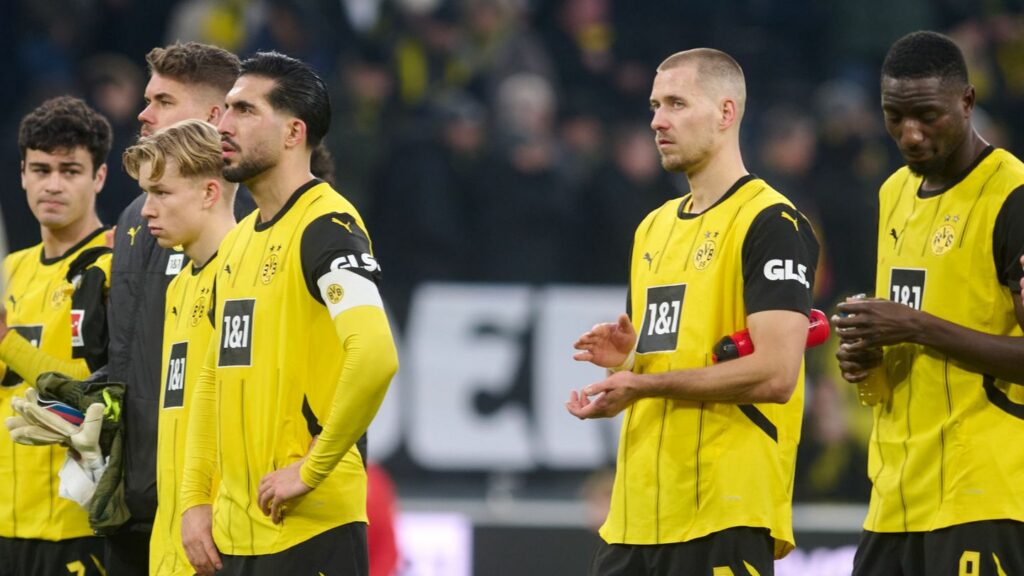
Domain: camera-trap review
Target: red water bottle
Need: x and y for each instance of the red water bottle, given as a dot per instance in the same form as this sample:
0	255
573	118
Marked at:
739	343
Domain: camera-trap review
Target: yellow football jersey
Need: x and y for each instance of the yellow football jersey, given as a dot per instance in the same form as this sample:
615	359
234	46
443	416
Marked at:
188	326
46	310
941	452
277	361
689	469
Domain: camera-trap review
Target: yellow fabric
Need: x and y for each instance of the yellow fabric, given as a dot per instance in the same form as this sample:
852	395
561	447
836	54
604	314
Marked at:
38	295
689	469
370	362
187	329
941	452
254	408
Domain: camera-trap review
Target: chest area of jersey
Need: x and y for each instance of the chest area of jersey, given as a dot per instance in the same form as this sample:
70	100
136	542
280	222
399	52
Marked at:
700	250
955	226
41	295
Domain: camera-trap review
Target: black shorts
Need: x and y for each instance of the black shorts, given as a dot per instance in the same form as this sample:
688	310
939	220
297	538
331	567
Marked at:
30	557
739	551
989	548
340	551
127	549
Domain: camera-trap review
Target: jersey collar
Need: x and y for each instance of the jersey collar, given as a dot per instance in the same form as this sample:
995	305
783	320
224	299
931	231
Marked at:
933	193
49	261
261	226
684	215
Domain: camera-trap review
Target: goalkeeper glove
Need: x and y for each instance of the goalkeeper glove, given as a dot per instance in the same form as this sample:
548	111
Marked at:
48	414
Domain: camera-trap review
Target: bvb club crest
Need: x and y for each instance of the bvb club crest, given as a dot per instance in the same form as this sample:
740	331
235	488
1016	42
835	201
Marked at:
198	310
943	239
62	292
269	268
335	293
704	254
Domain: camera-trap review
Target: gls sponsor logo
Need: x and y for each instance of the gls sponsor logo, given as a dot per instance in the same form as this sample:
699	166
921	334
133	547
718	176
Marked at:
777	269
368	262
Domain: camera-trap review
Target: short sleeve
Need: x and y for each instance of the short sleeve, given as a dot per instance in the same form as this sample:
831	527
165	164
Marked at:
780	253
1008	240
336	242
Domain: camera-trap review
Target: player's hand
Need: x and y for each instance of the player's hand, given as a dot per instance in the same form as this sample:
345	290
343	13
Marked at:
197	539
607	345
607	398
854	363
279	487
873	323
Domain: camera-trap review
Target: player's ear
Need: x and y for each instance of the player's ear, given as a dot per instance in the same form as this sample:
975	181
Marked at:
295	134
211	192
728	113
100	178
214	114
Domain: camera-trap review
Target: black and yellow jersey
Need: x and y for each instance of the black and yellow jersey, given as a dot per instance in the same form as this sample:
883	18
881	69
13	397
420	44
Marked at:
274	363
941	452
56	312
689	469
188	326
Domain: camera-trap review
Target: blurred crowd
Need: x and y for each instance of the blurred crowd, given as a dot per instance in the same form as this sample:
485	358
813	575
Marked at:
508	140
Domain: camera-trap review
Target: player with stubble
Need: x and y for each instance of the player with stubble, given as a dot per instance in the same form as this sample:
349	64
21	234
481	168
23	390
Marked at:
942	341
301	350
704	474
187	81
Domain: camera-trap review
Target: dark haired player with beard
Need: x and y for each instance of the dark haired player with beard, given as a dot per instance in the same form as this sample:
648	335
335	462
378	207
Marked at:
301	349
944	333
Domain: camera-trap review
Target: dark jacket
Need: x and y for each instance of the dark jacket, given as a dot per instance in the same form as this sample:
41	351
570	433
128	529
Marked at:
139	275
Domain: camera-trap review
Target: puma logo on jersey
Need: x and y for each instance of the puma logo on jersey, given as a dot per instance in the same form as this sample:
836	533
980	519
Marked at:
132	231
650	259
895	236
792	219
227	268
777	269
14	303
345	225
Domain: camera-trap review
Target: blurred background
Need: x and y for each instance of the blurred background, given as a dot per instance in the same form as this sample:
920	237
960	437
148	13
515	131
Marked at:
501	154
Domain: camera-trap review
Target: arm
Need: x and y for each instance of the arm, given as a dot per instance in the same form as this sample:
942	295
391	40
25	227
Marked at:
777	311
200	466
30	362
769	374
342	274
875	323
88	274
201	442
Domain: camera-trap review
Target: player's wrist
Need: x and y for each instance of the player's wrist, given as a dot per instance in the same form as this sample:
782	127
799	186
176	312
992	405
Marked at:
626	364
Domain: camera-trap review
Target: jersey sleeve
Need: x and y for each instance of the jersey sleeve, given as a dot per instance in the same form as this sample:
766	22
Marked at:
90	275
1008	240
780	253
335	242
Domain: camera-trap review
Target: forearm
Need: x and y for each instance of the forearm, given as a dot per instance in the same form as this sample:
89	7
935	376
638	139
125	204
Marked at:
751	379
999	356
201	442
30	362
370	362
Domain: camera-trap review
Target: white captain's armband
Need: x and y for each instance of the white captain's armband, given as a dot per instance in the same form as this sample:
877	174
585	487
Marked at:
344	289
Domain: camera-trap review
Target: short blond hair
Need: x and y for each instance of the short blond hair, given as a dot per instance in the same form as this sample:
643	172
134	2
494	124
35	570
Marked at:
718	72
194	145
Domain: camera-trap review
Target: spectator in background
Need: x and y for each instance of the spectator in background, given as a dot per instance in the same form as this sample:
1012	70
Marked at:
619	194
114	85
520	211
